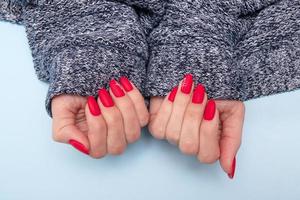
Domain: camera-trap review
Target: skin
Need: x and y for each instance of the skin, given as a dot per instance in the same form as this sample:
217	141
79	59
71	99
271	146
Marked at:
180	122
108	133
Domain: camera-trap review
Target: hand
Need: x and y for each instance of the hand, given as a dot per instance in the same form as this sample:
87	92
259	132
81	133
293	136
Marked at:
209	129
102	126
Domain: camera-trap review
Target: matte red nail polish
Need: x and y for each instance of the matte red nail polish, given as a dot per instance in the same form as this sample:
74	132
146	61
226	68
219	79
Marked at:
116	89
93	106
231	174
80	147
105	98
173	94
126	84
210	110
199	94
187	84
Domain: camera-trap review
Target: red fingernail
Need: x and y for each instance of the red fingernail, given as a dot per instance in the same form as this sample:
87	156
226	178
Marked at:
173	94
187	84
93	106
199	94
126	84
105	98
231	175
80	147
116	89
210	110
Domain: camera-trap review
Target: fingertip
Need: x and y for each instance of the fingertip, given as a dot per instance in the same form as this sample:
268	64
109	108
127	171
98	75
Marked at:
126	83
79	146
229	166
92	107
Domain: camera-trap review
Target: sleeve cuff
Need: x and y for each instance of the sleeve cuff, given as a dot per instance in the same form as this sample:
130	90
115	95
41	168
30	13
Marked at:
168	64
82	71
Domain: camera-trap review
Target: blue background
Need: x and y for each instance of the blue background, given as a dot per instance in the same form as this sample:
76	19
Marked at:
34	167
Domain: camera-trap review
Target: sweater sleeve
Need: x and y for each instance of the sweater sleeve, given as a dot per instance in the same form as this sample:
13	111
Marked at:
199	37
150	12
11	11
78	46
268	54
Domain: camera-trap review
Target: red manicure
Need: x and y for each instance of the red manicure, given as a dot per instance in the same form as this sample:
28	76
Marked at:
126	84
231	175
80	147
187	84
116	89
173	94
105	98
199	94
93	106
210	110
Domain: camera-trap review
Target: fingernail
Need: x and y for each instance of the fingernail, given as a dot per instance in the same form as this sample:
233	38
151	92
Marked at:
231	174
105	98
80	147
116	89
199	94
173	94
126	84
93	106
187	84
210	110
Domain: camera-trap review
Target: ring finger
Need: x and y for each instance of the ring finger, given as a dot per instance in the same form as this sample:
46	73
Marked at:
209	150
116	141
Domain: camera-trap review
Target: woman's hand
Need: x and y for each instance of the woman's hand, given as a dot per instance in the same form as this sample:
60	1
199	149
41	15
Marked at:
209	129
102	126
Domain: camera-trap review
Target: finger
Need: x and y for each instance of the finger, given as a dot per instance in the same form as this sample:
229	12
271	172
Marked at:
137	99
209	150
178	110
125	105
116	141
231	135
189	136
65	131
160	112
97	132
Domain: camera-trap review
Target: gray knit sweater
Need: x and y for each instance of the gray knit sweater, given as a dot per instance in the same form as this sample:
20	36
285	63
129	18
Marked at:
239	49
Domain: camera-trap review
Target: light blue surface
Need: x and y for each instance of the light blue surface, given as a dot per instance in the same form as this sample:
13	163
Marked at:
34	167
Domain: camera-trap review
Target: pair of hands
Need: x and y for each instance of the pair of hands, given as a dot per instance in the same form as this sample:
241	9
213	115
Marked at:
208	129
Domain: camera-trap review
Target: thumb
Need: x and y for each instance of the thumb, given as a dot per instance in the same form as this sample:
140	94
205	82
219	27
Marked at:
232	119
73	136
65	111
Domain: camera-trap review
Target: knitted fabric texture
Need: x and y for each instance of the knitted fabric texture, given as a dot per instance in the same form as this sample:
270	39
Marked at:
238	49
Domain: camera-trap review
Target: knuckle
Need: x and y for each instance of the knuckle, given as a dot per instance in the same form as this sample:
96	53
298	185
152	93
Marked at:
172	136
144	119
157	131
56	136
189	147
117	149
133	136
208	158
98	155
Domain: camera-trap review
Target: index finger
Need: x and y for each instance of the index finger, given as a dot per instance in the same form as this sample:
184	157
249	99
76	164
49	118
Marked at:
232	118
137	99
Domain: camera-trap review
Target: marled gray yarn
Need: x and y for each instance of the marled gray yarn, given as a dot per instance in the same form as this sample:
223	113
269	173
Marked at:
78	46
239	49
